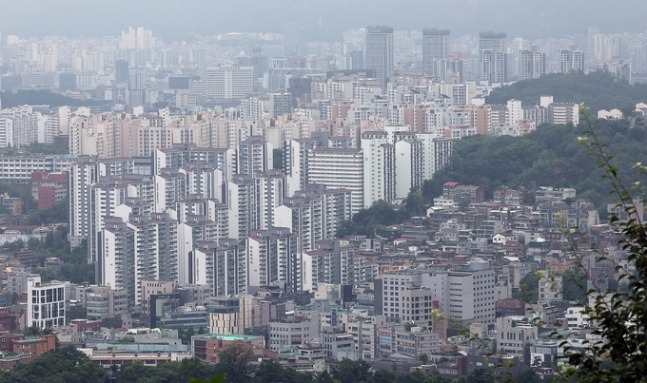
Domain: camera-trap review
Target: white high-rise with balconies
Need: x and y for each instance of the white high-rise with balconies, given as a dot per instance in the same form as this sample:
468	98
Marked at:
83	173
379	167
339	168
229	82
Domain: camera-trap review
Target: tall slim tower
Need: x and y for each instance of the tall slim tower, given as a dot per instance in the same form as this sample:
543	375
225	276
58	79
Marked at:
435	48
492	58
379	52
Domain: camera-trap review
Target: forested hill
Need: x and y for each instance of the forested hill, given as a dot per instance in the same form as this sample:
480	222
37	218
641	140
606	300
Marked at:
549	156
598	90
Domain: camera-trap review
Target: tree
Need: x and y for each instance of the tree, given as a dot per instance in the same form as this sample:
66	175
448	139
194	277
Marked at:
619	317
574	285
414	204
349	371
529	375
384	376
64	365
529	288
323	377
234	363
478	375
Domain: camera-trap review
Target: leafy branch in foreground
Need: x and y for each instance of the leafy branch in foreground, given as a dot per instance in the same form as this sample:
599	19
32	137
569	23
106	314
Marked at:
616	349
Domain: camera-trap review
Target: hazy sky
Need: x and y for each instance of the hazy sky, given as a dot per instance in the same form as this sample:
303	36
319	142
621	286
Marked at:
178	19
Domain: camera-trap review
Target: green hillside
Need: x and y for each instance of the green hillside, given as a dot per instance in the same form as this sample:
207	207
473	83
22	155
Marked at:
550	156
598	90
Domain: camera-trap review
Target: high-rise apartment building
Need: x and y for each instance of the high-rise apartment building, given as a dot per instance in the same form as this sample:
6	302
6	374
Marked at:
492	54
379	167
435	50
273	259
115	261
571	60
122	71
408	163
229	82
339	168
295	163
379	52
83	173
196	229
254	156
532	64
241	202
332	263
225	270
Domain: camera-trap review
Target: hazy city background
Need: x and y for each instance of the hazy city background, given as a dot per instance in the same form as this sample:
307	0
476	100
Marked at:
325	20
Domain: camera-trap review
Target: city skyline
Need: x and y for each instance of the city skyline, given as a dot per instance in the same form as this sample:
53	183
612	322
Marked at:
175	20
330	182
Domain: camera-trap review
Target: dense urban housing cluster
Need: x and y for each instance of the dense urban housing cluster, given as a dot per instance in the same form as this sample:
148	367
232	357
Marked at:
211	184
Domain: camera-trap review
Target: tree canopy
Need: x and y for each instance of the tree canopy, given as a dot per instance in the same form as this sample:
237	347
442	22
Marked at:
65	365
549	156
374	220
598	90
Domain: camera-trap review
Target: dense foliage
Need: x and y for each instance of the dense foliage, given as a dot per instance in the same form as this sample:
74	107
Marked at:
42	148
375	220
33	216
528	288
549	156
598	90
65	365
69	365
75	266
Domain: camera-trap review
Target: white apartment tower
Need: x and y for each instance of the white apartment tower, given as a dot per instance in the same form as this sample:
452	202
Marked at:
195	229
339	168
254	156
115	265
226	267
379	167
242	205
270	191
295	163
514	112
229	82
273	259
408	163
82	174
205	180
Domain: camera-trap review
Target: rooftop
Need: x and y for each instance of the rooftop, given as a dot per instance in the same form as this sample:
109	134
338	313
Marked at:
228	337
